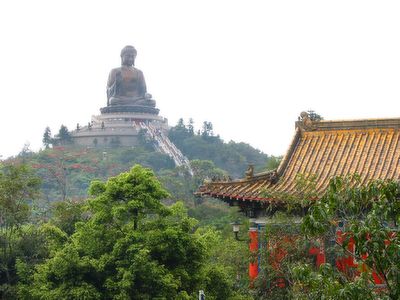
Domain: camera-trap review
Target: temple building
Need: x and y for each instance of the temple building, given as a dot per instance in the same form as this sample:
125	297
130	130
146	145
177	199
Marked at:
319	151
123	129
118	128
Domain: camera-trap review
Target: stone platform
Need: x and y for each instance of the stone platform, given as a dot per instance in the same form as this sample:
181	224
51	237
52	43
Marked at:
115	128
130	108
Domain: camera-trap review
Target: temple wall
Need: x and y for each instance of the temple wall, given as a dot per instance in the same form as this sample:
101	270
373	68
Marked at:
106	141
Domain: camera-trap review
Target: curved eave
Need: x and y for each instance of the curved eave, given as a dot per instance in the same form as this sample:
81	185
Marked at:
369	148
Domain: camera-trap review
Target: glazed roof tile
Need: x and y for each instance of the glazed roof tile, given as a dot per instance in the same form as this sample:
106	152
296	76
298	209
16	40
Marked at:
322	149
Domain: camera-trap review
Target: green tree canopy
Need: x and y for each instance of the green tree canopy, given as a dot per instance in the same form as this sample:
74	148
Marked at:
18	188
131	247
64	136
47	139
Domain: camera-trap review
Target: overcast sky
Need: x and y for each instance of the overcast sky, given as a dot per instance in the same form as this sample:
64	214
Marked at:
249	67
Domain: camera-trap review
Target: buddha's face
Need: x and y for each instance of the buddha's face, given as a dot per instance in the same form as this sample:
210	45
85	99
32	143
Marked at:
128	58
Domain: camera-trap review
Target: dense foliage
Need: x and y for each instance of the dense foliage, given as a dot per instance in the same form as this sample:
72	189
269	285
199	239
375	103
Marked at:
131	247
67	170
18	188
356	227
131	239
370	218
122	243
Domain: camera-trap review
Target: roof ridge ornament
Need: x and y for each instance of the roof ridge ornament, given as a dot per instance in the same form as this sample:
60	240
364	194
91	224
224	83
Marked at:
273	176
305	122
250	172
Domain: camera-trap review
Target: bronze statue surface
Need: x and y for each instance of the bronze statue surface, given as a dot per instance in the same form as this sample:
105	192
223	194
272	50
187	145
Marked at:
126	85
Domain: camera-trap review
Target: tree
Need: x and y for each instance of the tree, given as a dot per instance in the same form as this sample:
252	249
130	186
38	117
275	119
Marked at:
206	170
131	247
47	139
64	170
26	152
228	267
64	136
273	162
207	129
18	188
182	186
180	132
232	157
56	169
370	218
327	283
314	116
190	127
65	214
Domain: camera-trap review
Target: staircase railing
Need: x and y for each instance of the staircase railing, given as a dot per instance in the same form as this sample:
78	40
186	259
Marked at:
164	145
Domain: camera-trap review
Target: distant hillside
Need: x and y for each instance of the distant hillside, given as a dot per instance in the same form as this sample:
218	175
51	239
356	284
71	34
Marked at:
67	171
232	157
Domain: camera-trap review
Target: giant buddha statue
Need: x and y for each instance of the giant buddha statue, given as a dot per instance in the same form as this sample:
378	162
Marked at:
126	87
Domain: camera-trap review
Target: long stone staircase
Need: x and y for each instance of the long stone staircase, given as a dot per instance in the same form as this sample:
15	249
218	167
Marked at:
164	145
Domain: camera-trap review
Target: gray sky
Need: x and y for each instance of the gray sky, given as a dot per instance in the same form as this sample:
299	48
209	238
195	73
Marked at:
249	67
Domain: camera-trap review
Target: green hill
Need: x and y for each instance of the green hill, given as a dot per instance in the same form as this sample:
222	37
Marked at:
66	171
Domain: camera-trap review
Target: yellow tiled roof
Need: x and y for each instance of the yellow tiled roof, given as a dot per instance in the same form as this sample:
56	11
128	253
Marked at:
370	148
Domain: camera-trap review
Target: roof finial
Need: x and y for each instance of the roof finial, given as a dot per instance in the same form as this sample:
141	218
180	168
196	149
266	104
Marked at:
305	122
250	171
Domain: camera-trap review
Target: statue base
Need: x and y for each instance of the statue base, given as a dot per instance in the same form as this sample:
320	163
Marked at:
129	108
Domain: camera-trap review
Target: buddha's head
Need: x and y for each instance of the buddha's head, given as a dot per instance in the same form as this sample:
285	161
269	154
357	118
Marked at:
128	55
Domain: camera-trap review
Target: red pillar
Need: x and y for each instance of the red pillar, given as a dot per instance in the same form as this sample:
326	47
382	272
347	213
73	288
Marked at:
253	246
319	253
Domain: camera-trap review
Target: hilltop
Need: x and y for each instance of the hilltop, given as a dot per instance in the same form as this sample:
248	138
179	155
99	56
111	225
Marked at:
66	170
